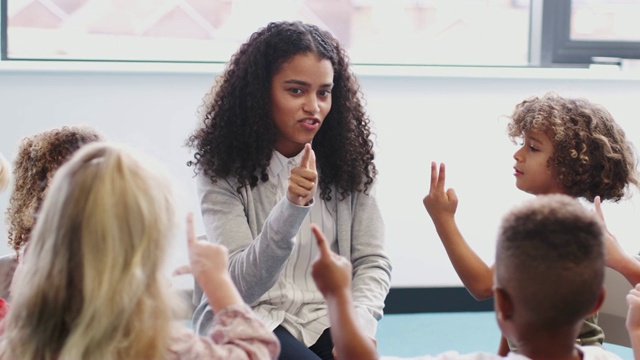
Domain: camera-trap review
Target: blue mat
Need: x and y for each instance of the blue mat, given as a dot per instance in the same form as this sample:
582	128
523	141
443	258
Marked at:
410	335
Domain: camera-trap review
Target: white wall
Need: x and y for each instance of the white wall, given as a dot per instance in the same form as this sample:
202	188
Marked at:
441	114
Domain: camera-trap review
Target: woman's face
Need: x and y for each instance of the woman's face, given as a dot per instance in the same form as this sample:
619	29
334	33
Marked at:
300	101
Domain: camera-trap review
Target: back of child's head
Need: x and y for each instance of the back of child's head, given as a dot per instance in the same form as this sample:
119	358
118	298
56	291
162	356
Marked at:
592	155
5	173
550	260
91	284
38	158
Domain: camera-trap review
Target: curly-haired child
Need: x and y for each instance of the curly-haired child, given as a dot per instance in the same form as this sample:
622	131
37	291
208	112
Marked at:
92	283
288	89
569	146
39	157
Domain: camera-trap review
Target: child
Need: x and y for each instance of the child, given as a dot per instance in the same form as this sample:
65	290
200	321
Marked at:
91	285
570	146
289	88
38	158
549	276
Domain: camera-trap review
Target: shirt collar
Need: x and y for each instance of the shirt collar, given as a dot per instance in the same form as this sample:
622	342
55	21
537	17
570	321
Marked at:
281	163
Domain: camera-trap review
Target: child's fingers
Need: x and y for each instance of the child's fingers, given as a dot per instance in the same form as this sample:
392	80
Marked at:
441	176
181	270
191	233
597	204
305	157
434	177
321	241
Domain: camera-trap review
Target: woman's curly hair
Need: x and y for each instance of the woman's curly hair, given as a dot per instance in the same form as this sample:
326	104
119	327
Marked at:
38	158
590	151
238	133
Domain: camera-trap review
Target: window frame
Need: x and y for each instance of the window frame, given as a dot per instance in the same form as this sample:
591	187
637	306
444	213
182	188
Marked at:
553	18
550	43
3	29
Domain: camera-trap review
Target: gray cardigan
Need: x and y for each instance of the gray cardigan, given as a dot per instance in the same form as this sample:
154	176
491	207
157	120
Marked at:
258	233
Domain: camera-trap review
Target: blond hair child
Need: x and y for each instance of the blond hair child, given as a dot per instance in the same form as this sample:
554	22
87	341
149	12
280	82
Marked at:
91	284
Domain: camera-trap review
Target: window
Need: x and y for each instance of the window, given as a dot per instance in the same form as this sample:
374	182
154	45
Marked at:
460	32
582	32
377	32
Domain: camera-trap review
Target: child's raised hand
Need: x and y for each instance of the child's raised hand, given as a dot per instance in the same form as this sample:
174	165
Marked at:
614	253
331	272
439	202
633	315
615	256
206	259
303	180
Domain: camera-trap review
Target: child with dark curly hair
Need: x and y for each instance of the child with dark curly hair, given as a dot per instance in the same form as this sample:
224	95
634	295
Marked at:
570	146
286	119
38	158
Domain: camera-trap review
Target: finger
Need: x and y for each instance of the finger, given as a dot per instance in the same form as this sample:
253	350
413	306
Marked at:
451	194
305	157
598	206
441	177
434	177
191	233
299	191
312	160
303	178
321	241
181	270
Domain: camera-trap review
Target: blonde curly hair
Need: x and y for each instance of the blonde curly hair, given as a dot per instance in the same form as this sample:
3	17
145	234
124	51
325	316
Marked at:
38	158
591	153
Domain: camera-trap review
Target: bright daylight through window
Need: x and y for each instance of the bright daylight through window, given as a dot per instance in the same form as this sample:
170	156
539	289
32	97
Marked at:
463	32
376	32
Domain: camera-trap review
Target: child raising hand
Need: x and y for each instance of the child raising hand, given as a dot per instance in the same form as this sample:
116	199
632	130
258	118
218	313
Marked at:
568	146
92	284
332	275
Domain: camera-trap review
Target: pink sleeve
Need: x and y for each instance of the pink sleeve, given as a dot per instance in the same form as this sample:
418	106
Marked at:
4	309
236	334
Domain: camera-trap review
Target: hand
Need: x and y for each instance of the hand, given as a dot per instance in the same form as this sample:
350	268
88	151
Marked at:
303	180
205	258
439	202
614	254
331	272
633	315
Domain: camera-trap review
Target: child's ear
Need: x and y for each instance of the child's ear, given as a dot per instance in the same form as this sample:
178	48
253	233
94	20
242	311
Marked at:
503	304
599	303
